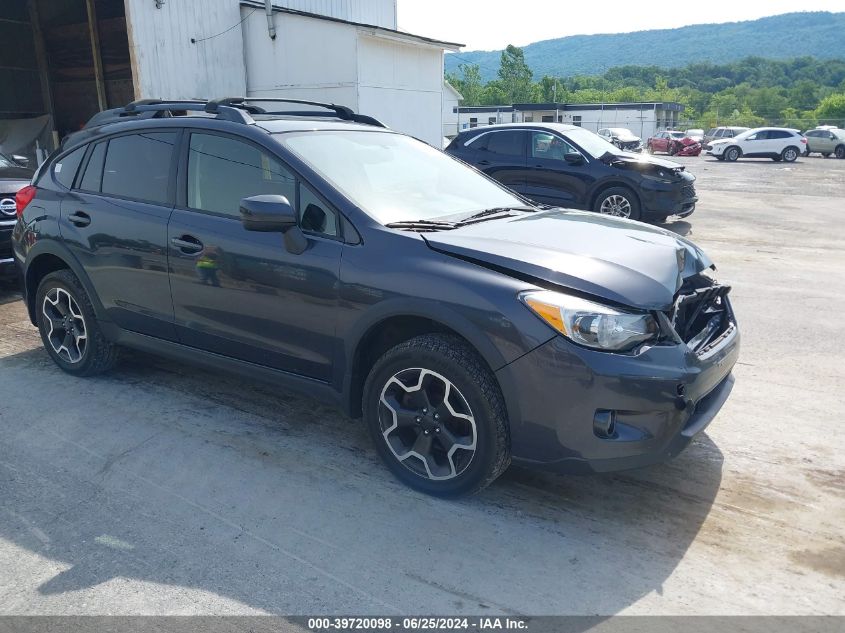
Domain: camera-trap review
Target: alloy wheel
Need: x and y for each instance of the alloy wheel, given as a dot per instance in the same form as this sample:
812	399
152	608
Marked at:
616	205
67	334
427	424
789	154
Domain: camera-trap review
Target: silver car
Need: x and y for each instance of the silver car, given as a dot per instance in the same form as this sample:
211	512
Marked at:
826	142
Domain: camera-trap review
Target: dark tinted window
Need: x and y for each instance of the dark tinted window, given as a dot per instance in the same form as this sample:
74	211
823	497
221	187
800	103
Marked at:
779	134
138	166
314	214
506	143
223	170
65	169
94	169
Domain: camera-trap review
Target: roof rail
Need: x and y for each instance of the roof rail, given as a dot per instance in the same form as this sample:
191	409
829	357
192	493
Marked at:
235	109
340	111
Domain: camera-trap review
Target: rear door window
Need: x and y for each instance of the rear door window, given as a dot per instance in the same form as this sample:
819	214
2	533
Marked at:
509	143
138	166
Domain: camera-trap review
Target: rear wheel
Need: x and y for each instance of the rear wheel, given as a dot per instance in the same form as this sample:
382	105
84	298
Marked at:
619	202
69	328
732	153
437	416
790	154
840	151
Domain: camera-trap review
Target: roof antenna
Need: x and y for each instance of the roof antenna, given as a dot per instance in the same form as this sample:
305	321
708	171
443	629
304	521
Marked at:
268	9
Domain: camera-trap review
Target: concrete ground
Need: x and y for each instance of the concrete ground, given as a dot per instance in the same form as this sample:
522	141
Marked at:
164	489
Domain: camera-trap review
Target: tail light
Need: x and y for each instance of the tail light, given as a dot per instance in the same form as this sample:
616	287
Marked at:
23	198
803	140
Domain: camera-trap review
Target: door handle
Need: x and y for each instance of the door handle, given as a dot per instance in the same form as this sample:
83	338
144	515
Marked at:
79	218
187	244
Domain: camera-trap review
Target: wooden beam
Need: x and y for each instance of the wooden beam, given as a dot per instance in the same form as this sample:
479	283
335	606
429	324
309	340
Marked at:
41	58
94	33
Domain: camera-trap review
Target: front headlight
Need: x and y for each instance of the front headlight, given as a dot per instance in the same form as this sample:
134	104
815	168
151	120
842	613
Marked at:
591	324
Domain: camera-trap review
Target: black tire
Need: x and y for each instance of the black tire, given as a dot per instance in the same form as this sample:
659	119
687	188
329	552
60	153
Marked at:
732	153
824	154
839	152
720	158
97	353
790	154
449	357
623	192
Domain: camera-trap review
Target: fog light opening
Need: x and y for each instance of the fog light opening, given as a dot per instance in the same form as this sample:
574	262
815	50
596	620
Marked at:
604	423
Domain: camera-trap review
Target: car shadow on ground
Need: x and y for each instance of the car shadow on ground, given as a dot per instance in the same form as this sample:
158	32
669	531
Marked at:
168	474
681	227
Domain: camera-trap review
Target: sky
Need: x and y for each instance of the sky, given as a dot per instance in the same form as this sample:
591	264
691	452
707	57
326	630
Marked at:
493	24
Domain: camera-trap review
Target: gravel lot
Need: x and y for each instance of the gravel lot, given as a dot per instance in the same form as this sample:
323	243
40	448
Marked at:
162	488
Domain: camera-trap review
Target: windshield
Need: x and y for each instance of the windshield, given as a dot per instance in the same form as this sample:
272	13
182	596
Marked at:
591	143
676	134
396	178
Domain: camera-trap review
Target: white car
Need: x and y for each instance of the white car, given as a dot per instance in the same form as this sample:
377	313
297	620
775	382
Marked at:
777	143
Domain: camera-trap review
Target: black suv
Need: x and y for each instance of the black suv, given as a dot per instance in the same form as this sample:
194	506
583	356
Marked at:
13	178
568	166
334	256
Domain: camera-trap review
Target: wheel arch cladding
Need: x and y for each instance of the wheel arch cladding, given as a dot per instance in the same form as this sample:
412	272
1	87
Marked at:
392	330
41	266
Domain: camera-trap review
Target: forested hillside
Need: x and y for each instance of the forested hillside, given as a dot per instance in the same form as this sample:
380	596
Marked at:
796	93
816	34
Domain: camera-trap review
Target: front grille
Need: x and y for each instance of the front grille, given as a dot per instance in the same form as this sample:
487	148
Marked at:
688	191
701	313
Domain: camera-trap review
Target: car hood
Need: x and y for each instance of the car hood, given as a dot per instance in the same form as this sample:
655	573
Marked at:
626	138
622	261
642	162
12	179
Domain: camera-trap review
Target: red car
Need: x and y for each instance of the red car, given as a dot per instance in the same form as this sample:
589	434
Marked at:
673	143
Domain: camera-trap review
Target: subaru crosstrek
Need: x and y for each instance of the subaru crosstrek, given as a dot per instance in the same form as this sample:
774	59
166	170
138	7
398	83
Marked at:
329	254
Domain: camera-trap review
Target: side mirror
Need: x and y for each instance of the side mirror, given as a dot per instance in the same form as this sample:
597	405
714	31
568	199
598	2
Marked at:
23	161
573	158
268	213
273	214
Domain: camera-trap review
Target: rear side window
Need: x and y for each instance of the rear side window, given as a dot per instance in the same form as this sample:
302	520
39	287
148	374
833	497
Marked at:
94	170
65	169
506	143
779	134
223	170
138	166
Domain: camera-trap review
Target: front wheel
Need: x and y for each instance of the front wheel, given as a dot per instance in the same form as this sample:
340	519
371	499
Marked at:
437	416
619	202
840	151
69	328
732	154
790	154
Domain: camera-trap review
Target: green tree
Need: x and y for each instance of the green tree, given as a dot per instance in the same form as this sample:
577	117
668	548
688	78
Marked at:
468	83
832	109
515	76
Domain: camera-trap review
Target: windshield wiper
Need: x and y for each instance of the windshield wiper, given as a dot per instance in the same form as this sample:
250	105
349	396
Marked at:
422	225
492	211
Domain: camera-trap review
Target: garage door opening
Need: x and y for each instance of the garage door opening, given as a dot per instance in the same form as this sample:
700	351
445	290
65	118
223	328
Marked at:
63	61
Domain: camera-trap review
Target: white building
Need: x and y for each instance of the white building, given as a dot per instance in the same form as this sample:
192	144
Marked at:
643	119
89	55
451	101
476	116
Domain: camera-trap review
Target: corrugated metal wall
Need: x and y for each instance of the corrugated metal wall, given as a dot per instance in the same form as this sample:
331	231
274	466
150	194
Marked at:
186	49
377	12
